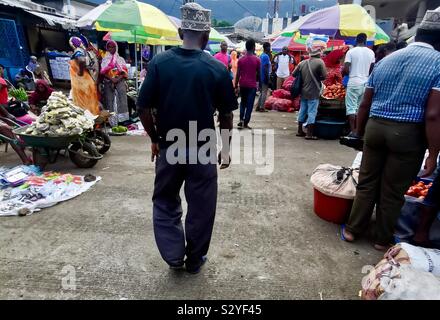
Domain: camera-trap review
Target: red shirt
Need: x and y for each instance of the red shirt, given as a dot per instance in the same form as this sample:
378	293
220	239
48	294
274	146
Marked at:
3	92
248	65
223	58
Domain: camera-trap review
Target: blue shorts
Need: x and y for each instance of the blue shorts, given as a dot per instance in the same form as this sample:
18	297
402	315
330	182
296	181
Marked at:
353	99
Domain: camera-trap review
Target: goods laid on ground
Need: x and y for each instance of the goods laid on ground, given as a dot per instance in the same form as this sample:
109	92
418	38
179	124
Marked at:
24	189
282	94
287	85
278	104
281	100
19	94
61	118
334	191
119	129
406	273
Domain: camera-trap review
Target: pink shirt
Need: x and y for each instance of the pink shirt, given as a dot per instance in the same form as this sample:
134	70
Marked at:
223	58
3	92
248	65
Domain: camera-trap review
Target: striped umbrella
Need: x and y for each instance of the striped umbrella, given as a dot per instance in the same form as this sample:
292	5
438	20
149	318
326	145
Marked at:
129	15
340	22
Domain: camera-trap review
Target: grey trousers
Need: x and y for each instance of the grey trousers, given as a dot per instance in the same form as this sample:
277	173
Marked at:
263	96
121	98
201	195
393	155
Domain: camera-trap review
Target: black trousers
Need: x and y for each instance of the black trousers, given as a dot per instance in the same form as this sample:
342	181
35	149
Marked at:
201	195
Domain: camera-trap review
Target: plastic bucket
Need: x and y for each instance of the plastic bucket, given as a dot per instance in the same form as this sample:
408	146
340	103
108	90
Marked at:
332	209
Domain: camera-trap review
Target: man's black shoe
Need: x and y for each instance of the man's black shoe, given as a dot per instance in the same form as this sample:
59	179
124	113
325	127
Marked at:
196	269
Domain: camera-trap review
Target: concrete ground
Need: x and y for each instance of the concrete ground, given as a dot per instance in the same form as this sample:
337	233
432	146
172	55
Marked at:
267	241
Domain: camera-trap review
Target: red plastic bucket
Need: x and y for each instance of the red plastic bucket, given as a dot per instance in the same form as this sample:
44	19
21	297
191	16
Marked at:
332	209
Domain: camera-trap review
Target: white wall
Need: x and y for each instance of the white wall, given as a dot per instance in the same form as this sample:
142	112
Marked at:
77	9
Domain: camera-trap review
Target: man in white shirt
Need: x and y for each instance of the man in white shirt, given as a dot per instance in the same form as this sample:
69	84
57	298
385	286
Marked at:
359	63
283	62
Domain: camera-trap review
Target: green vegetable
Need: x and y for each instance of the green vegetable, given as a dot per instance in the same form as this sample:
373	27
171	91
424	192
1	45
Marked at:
19	94
119	129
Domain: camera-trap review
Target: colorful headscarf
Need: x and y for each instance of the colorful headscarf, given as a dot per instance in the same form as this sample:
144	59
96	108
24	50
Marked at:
38	96
76	42
113	61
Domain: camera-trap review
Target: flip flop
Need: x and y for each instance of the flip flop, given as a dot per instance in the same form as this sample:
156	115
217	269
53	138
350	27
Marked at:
342	234
311	138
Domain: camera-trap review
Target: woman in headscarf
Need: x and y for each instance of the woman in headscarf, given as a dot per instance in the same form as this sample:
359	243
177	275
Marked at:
84	85
39	97
115	72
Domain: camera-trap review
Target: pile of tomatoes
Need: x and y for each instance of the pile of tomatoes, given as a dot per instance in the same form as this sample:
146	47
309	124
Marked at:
335	91
419	190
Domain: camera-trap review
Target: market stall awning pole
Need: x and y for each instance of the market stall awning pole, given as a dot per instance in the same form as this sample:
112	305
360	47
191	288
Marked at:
136	62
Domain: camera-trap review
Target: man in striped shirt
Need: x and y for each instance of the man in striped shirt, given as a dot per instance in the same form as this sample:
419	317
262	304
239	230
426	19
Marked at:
398	118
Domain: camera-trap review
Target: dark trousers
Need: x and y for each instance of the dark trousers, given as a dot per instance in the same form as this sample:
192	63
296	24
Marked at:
392	157
247	103
201	196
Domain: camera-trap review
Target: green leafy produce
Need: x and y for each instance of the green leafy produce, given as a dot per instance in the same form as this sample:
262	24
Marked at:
19	94
119	129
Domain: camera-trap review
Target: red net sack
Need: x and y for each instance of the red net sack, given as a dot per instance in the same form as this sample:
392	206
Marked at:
269	103
283	105
281	94
287	85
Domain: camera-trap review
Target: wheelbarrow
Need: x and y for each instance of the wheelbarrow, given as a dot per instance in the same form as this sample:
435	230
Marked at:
46	149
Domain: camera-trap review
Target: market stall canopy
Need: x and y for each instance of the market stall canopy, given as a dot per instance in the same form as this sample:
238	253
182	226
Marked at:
129	15
52	20
299	44
340	22
128	36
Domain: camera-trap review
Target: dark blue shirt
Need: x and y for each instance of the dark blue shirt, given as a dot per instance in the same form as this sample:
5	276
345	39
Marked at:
186	85
265	61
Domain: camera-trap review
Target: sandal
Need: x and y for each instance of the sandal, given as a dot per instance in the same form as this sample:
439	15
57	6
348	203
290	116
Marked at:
312	138
343	238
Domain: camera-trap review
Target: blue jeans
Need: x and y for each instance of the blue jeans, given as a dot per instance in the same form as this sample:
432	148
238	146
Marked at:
247	103
308	111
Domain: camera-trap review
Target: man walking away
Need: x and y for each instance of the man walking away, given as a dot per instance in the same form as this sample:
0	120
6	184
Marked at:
265	76
186	86
313	71
282	62
359	62
246	82
399	113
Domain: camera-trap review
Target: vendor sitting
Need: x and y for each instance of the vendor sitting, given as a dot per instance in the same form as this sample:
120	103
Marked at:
6	131
22	80
39	97
20	111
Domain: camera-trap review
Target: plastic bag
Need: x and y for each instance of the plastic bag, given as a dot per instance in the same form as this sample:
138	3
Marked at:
335	181
411	284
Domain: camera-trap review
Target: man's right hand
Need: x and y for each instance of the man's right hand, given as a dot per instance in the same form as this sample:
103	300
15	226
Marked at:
237	90
154	151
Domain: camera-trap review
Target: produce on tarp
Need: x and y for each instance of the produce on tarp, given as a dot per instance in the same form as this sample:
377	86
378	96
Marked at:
278	104
60	117
335	91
